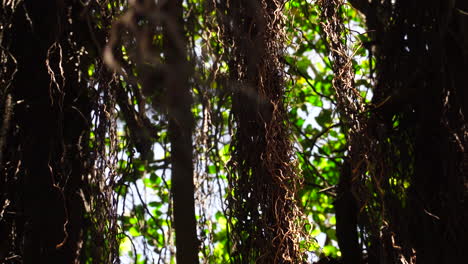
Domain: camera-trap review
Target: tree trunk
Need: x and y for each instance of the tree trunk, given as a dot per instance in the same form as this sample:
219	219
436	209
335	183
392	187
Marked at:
181	124
347	218
46	144
262	205
421	52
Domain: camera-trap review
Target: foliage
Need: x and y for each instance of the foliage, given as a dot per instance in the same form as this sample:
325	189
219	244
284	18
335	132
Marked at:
320	144
309	129
137	146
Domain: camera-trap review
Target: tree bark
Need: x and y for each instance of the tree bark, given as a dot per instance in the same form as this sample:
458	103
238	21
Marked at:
45	141
421	52
346	218
181	124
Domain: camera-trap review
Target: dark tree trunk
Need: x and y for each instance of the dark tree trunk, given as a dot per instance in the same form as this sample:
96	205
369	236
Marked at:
262	205
421	51
44	164
346	210
181	124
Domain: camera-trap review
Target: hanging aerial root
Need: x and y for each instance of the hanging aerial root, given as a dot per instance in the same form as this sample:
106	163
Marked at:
265	219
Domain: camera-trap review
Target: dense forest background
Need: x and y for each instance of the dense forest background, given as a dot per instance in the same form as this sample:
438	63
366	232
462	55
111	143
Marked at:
233	131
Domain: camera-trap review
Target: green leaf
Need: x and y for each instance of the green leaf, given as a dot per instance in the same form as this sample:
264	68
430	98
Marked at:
134	232
91	70
324	118
212	169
